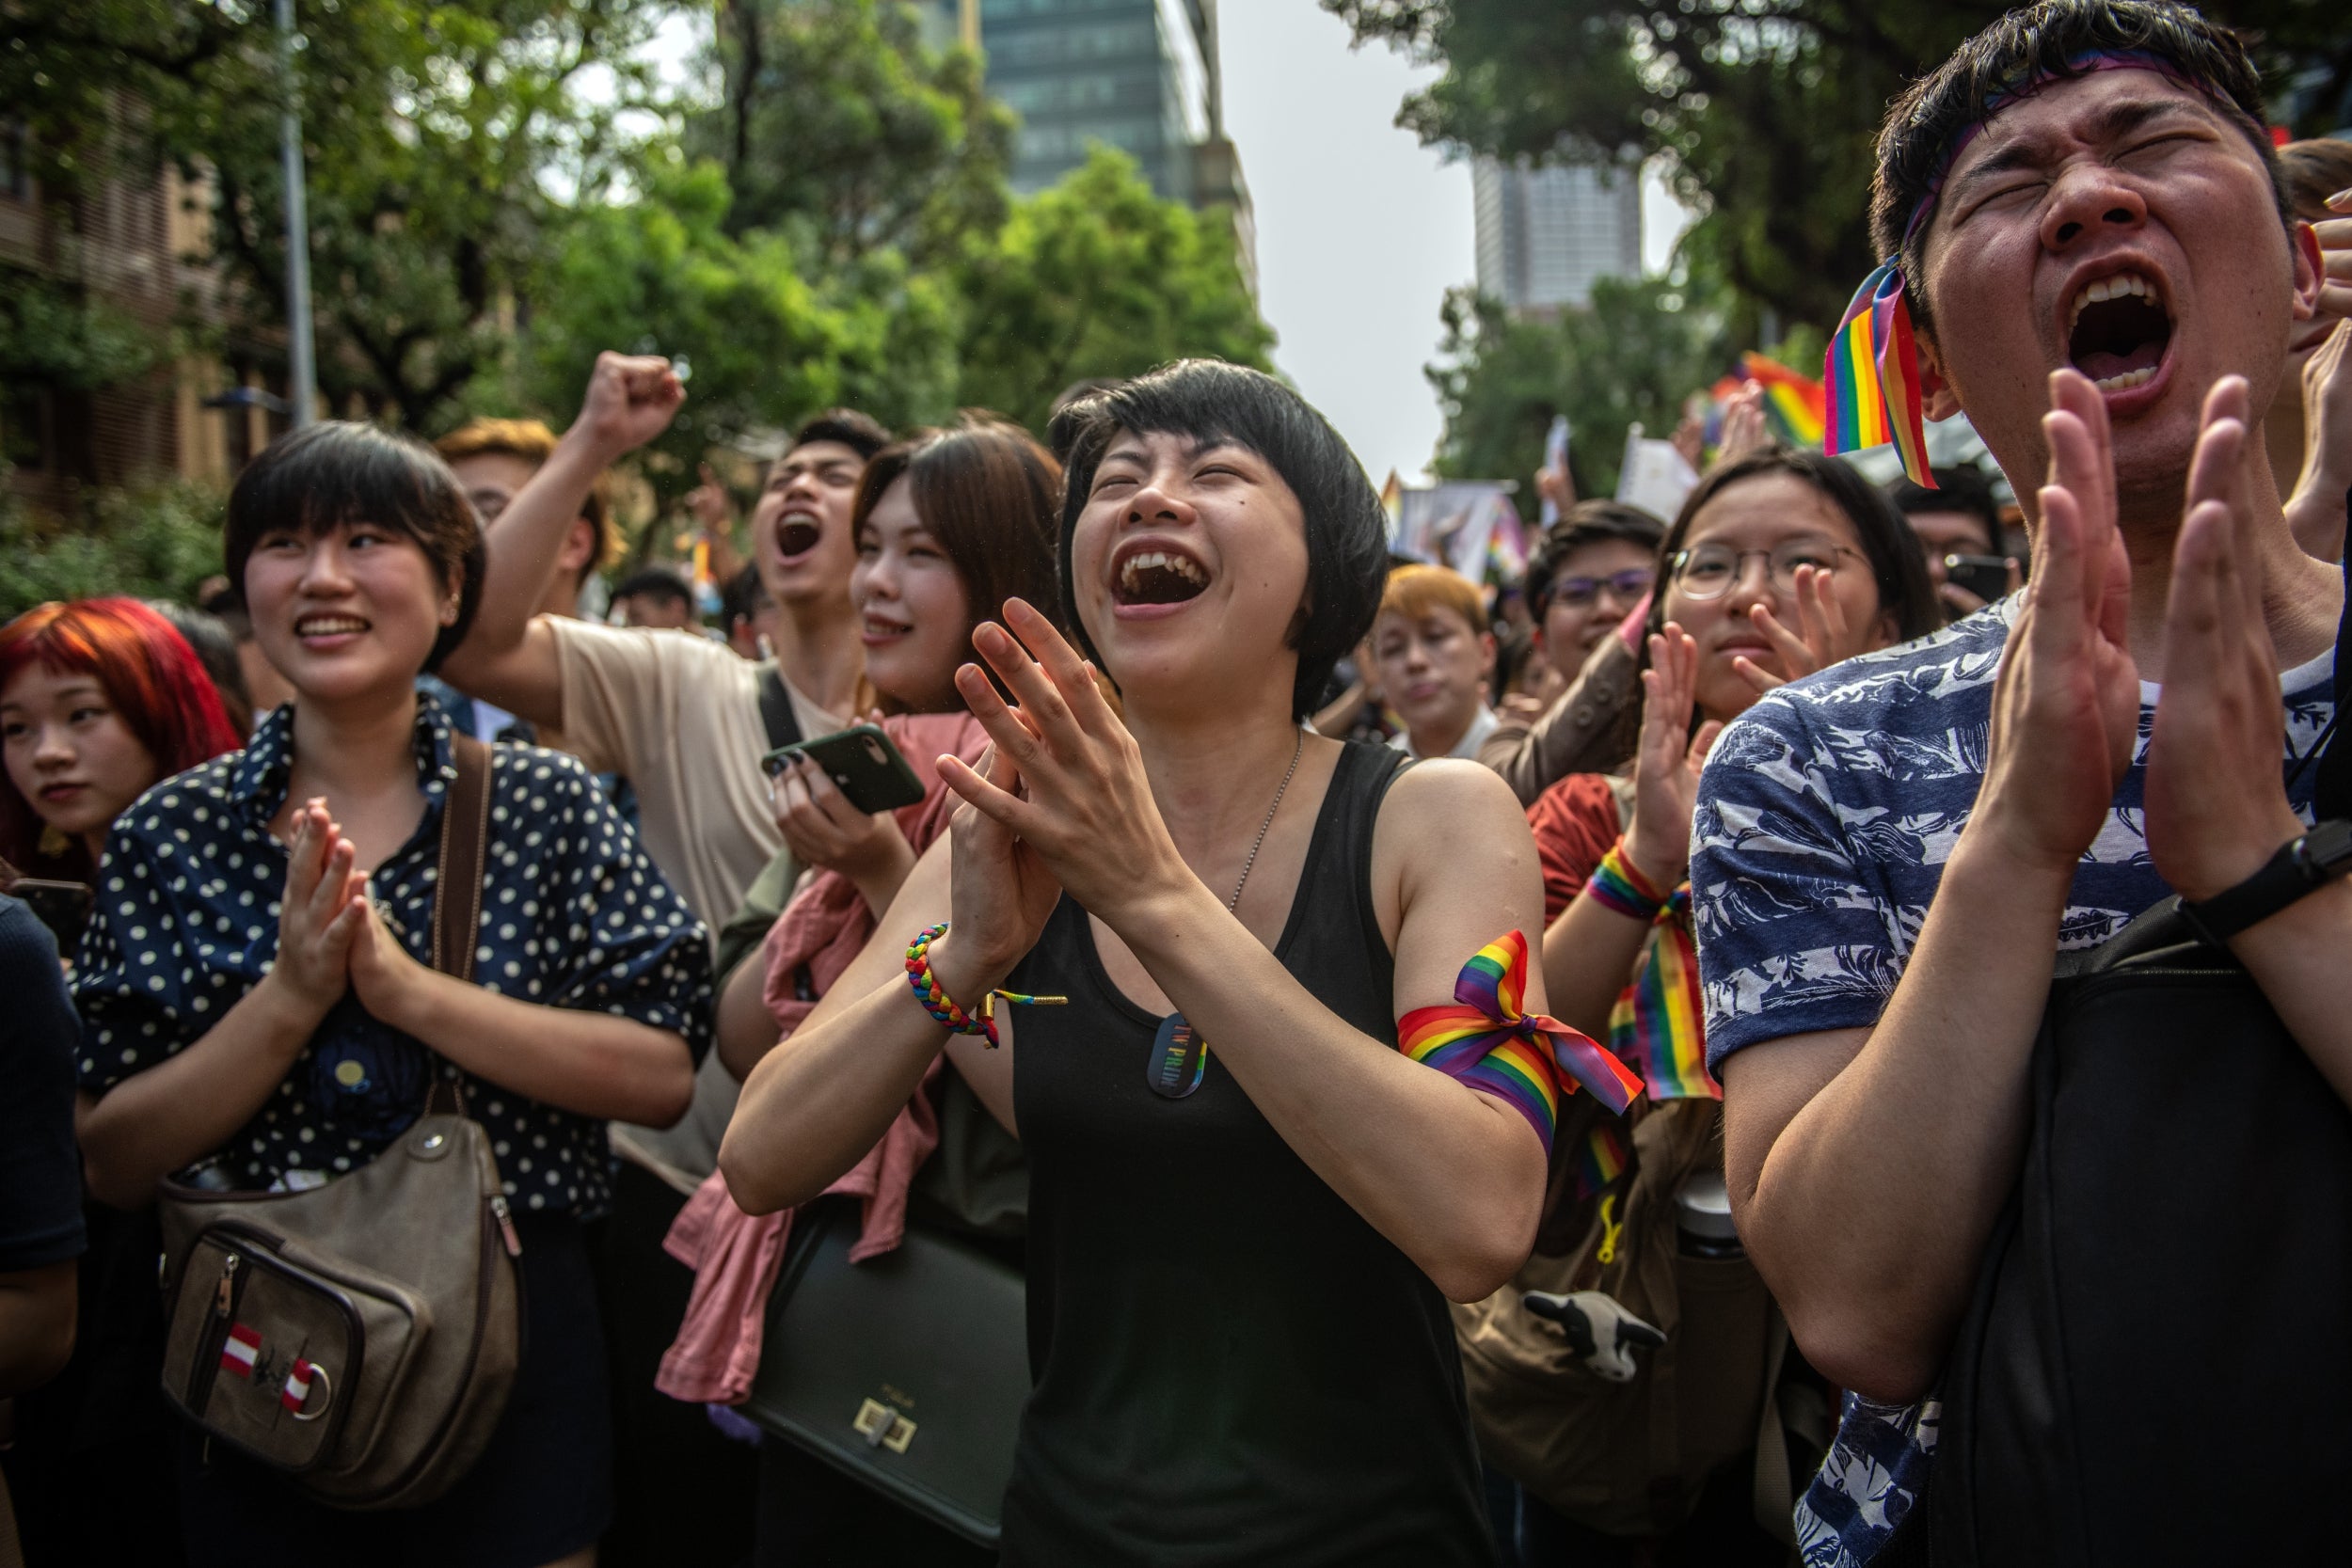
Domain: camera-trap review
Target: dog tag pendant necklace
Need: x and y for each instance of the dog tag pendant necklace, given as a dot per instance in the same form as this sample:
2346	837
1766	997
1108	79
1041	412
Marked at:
1180	1057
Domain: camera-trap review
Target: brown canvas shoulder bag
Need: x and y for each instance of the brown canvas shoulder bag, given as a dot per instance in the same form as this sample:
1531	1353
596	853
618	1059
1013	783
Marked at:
360	1337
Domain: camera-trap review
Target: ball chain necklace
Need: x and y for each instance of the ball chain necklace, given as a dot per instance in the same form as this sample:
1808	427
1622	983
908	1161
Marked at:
1180	1057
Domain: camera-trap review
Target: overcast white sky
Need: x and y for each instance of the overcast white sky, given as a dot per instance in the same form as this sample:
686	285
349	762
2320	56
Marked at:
1361	229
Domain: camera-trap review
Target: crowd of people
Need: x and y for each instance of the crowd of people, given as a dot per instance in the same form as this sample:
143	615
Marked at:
1444	1090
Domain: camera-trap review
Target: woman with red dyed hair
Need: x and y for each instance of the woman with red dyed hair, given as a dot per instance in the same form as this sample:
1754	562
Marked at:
98	699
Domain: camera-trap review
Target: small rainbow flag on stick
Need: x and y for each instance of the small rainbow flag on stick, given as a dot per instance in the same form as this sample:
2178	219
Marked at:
1797	405
1485	1041
1873	377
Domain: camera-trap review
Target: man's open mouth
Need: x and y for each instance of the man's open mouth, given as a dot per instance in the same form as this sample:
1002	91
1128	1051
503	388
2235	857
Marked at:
2119	331
1159	577
797	535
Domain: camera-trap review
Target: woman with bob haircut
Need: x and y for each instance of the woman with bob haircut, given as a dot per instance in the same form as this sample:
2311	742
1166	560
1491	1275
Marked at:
97	700
949	525
256	998
1239	1252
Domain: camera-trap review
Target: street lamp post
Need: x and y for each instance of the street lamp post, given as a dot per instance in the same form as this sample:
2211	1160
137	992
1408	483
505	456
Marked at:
302	368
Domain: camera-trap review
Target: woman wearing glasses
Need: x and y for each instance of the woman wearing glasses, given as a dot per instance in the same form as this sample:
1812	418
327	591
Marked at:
1779	565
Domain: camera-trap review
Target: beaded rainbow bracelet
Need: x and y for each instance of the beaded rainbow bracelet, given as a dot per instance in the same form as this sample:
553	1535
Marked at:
938	1004
1616	883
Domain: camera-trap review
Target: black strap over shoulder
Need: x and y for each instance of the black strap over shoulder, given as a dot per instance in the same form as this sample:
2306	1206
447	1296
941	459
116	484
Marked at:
465	842
775	711
2333	793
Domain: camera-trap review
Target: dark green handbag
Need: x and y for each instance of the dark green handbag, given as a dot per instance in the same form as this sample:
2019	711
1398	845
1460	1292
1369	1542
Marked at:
907	1372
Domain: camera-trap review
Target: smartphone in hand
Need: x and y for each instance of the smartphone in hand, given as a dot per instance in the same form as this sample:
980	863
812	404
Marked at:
862	763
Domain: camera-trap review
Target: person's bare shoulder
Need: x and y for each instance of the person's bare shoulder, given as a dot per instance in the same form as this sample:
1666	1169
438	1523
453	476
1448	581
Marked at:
1447	820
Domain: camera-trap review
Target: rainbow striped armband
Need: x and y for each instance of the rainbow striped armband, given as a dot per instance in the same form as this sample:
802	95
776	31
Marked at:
1485	1041
1616	883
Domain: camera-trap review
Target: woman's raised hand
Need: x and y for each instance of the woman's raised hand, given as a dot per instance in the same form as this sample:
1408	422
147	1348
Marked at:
384	974
1819	641
1080	802
317	919
1667	762
1004	891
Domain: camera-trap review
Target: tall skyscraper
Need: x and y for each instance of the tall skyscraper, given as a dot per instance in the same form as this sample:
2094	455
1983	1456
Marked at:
1546	235
1140	76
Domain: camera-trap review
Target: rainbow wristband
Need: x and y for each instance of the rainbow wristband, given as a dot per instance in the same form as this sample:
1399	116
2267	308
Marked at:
1617	885
938	1004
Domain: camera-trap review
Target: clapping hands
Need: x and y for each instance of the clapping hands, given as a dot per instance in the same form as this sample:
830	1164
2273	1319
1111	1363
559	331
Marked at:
331	938
1668	759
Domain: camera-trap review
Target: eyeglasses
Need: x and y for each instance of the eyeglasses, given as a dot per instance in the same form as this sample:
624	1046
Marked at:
1710	571
1624	586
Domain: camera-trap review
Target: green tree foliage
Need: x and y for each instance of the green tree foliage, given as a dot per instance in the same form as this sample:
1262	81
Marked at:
153	541
662	272
836	126
1764	110
1634	357
52	332
1097	276
433	134
501	188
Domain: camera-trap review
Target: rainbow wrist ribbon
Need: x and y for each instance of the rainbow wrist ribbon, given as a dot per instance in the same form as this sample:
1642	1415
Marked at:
937	1003
1616	883
1485	1040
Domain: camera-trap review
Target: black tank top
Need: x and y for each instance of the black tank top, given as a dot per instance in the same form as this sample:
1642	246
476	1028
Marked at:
1231	1366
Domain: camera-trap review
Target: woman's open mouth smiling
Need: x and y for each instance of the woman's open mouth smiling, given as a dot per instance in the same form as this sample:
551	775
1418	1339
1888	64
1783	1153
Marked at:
876	632
329	631
1151	579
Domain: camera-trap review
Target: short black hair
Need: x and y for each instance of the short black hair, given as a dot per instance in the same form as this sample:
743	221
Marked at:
216	645
655	582
1205	400
2046	41
1583	526
1897	564
1961	488
862	434
340	471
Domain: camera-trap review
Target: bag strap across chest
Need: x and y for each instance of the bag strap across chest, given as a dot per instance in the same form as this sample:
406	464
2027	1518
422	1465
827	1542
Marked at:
465	842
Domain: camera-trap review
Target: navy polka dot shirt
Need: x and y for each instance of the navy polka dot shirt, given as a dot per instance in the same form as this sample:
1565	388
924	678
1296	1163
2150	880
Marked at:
573	915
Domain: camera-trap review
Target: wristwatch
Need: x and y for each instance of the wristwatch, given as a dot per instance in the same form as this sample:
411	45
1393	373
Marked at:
2304	864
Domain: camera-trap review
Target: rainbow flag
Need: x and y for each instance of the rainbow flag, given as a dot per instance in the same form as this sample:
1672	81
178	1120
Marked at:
1602	1161
1796	405
1485	1041
1659	1022
1872	375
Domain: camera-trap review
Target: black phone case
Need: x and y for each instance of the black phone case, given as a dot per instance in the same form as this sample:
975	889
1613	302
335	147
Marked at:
866	768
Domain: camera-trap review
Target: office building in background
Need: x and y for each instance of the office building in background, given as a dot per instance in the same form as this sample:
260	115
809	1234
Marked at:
1138	75
1546	235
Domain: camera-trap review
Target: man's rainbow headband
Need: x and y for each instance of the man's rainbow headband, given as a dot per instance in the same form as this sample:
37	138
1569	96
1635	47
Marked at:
1872	371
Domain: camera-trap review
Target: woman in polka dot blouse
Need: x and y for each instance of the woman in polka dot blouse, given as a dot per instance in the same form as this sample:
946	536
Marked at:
258	1004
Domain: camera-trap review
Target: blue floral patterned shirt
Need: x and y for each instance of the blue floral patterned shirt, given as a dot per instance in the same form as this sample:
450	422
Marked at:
1825	817
573	915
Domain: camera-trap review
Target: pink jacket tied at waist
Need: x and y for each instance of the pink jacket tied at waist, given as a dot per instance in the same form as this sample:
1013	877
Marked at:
734	1256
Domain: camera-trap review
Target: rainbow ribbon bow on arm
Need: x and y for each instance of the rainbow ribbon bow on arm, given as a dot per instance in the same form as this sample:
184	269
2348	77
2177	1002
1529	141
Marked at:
1487	1041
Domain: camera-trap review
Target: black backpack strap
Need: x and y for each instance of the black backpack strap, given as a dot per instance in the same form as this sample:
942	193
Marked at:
2333	793
775	711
